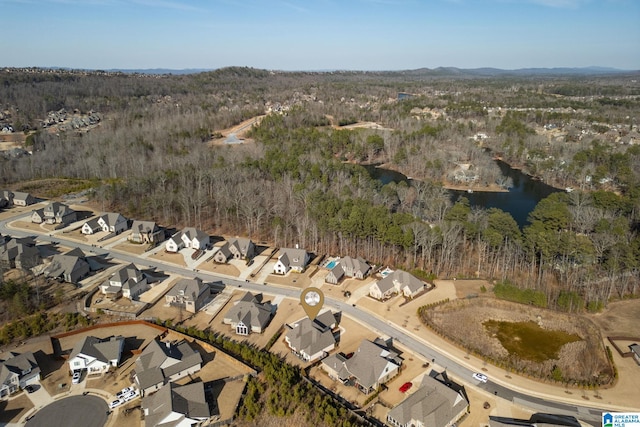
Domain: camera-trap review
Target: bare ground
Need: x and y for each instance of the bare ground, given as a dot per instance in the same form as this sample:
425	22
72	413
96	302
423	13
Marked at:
462	321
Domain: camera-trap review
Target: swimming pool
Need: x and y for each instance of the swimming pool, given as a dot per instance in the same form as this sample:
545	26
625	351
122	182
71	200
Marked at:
332	264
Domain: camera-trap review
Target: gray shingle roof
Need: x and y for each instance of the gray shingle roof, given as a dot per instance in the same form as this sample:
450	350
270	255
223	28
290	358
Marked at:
191	288
104	350
293	257
433	404
369	362
310	336
160	360
251	311
188	400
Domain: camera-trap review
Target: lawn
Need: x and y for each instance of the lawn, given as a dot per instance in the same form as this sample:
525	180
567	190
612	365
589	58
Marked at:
529	341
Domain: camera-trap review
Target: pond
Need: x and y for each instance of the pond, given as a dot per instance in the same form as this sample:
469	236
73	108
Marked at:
519	201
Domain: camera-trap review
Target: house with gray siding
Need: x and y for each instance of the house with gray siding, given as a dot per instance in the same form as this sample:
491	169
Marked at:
162	362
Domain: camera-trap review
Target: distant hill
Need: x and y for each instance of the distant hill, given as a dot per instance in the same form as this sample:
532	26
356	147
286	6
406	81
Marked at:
492	72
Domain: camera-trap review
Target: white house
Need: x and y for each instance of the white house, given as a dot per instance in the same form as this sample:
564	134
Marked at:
188	238
195	239
174	243
113	223
96	355
291	260
91	226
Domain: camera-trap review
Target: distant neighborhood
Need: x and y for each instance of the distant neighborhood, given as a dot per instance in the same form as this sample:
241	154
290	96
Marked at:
128	291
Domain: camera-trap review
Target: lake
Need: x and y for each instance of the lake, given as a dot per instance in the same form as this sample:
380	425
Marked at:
519	201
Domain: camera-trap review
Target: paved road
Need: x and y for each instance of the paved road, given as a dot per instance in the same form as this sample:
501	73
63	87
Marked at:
584	413
74	411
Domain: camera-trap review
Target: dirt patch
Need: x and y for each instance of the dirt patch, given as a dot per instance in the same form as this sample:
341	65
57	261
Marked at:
582	362
14	409
173	258
619	318
214	267
132	248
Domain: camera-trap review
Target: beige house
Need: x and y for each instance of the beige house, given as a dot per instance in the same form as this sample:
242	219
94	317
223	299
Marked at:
373	364
433	404
394	283
190	294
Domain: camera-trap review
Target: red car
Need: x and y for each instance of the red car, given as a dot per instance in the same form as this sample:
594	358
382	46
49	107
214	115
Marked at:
406	386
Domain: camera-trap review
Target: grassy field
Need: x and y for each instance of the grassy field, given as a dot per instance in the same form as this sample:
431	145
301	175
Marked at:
528	340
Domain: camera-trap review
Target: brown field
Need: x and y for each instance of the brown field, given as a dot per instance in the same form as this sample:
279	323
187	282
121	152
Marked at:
173	258
214	267
462	321
132	248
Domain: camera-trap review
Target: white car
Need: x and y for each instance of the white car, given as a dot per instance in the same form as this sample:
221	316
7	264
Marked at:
124	392
76	377
130	396
480	377
115	403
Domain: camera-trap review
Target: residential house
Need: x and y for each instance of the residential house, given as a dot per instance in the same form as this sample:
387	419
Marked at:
195	239
71	266
355	268
177	406
373	364
188	238
635	350
23	199
96	355
433	404
249	314
146	232
174	243
162	362
311	340
291	259
349	267
190	294
17	370
236	248
19	253
335	275
128	282
91	226
396	282
6	198
54	213
113	223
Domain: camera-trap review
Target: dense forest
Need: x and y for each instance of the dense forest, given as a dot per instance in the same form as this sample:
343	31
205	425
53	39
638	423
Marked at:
298	179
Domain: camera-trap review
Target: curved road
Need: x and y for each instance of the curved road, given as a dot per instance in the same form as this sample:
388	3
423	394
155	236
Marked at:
74	411
590	415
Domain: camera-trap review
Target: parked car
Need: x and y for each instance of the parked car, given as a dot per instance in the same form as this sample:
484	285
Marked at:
406	386
115	403
124	391
30	388
75	379
130	396
480	377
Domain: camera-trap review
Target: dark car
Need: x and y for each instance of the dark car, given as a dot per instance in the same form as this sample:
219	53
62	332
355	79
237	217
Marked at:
30	388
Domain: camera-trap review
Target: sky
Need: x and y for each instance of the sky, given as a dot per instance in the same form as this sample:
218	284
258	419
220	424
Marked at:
320	34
